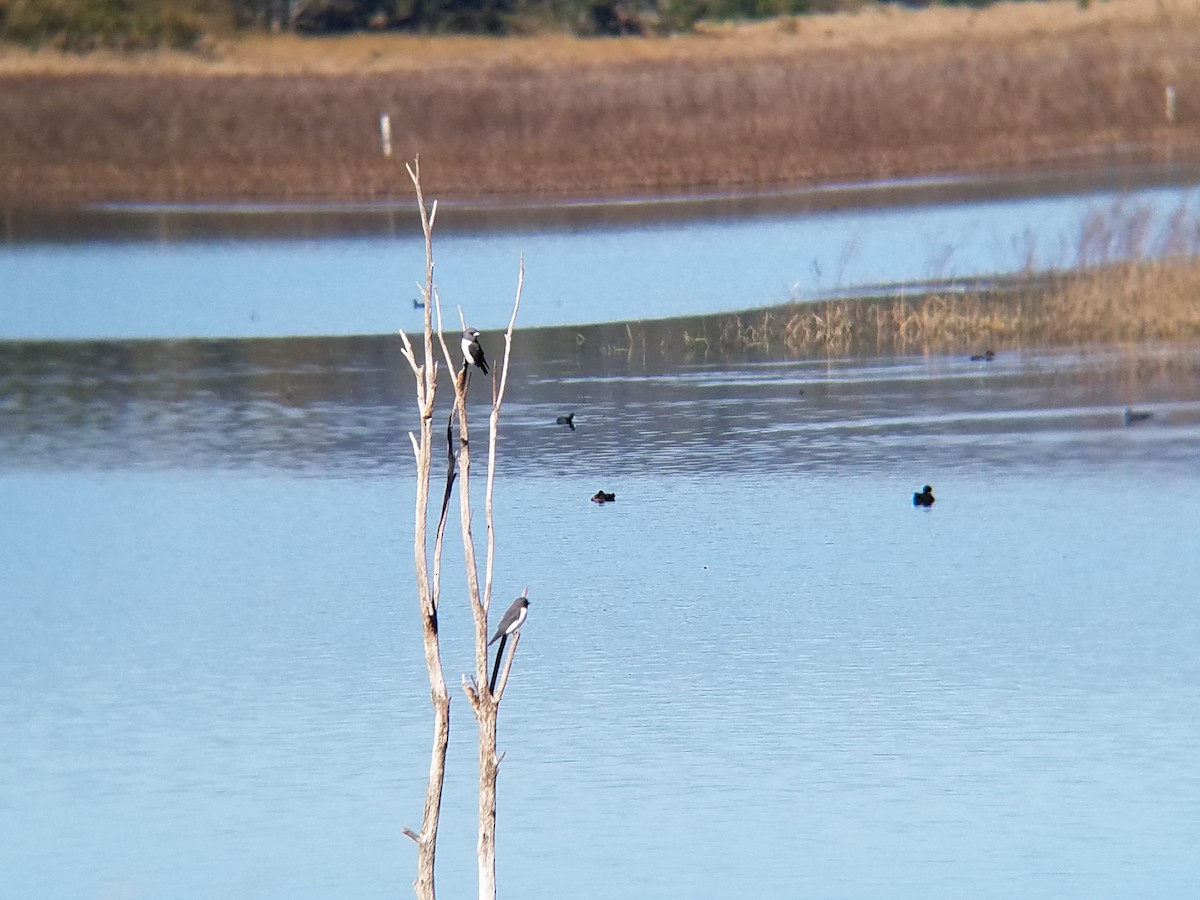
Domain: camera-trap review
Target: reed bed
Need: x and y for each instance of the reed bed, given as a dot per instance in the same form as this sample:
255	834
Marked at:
643	117
1132	302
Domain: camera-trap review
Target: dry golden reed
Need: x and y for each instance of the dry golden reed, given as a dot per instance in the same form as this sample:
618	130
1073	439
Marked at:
729	109
1126	302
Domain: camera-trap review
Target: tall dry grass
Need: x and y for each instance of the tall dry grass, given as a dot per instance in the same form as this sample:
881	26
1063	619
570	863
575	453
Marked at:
753	108
1134	278
1124	302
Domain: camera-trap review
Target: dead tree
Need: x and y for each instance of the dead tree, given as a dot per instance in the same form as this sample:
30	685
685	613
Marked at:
429	585
483	697
484	702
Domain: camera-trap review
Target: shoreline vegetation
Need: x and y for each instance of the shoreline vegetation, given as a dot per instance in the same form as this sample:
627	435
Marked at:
884	92
1135	304
795	102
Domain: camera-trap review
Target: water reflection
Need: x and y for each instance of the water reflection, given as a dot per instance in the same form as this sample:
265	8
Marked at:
272	273
792	682
343	404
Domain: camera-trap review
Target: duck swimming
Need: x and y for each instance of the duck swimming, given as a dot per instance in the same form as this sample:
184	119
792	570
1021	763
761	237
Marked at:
602	497
985	356
924	498
1132	417
568	420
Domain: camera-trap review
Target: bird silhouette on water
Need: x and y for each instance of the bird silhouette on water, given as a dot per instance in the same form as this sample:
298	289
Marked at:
924	498
602	497
568	420
1132	416
985	356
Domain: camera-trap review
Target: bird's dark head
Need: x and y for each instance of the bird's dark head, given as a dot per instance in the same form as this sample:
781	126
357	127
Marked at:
927	490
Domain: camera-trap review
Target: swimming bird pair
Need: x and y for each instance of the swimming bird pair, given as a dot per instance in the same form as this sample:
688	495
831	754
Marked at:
602	497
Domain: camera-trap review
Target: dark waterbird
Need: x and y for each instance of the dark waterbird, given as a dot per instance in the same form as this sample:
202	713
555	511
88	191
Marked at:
568	420
1132	416
985	356
924	498
602	497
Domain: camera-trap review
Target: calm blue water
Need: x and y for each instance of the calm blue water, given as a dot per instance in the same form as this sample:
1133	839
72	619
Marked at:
760	672
165	273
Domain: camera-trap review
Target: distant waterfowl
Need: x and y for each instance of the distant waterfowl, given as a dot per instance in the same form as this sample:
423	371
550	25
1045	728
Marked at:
568	420
602	497
418	304
924	498
1132	417
985	356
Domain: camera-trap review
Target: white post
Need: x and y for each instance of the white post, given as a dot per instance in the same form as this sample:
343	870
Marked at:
385	133
1169	103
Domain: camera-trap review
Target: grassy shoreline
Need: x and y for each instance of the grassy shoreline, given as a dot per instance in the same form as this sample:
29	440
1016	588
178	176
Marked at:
884	93
1132	305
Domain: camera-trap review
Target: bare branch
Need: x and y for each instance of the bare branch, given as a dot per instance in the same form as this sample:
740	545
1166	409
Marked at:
427	591
493	430
442	339
408	351
499	692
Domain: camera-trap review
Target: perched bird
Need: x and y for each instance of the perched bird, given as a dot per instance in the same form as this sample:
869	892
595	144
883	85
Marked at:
472	352
924	498
510	623
418	304
513	618
985	356
1132	417
569	421
602	497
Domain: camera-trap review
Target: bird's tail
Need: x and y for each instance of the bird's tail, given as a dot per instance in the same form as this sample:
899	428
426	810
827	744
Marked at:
496	667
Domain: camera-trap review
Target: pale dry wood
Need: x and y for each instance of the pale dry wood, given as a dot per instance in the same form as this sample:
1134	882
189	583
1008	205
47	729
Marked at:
425	376
484	704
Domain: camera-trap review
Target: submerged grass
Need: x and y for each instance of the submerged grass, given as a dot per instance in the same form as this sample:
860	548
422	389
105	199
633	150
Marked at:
1134	279
1126	302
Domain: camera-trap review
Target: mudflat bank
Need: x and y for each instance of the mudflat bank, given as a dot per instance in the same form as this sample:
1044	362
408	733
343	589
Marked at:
882	93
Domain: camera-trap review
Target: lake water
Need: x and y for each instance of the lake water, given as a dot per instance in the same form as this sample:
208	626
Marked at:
760	672
260	272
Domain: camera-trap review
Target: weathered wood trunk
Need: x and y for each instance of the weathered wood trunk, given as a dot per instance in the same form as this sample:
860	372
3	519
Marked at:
489	767
428	583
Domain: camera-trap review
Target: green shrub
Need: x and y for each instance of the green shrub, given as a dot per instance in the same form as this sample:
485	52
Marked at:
81	25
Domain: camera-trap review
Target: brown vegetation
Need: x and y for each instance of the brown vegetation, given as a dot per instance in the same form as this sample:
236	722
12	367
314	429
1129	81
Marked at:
883	93
1128	302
